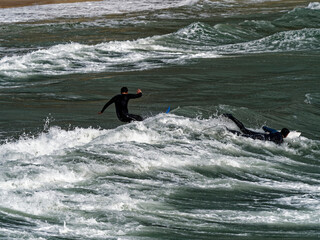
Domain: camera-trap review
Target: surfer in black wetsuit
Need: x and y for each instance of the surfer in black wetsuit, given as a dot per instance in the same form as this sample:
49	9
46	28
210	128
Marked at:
271	135
121	103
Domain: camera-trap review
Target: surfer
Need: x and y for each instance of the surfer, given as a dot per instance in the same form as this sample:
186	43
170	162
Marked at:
270	135
121	104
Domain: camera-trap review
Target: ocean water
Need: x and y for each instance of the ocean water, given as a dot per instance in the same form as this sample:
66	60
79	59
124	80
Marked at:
68	173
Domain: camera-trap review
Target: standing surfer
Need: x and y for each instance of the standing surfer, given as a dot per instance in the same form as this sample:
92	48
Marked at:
121	104
272	135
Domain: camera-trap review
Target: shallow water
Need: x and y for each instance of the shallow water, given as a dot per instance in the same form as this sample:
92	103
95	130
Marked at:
69	173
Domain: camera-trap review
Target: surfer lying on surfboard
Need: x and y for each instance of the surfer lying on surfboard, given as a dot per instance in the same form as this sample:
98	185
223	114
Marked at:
121	103
271	135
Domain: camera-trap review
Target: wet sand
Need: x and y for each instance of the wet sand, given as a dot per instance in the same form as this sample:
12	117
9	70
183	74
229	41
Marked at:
22	3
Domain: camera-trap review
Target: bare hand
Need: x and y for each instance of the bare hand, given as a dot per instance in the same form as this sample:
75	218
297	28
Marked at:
139	91
99	112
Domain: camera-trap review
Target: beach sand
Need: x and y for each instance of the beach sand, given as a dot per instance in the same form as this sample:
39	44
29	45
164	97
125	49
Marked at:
22	3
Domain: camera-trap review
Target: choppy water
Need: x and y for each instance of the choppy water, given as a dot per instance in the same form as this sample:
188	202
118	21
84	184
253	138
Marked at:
68	173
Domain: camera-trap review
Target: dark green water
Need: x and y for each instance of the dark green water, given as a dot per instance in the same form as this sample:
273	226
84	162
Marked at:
69	173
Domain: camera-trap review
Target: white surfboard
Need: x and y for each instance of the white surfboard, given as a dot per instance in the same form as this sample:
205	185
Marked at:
293	134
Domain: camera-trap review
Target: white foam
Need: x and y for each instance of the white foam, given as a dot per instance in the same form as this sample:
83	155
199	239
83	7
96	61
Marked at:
109	56
312	98
77	175
86	9
314	5
278	216
56	141
141	54
29	202
159	130
294	40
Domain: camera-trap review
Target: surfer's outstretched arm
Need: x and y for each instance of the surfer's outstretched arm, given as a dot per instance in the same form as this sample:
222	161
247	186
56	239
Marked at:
138	95
107	104
270	130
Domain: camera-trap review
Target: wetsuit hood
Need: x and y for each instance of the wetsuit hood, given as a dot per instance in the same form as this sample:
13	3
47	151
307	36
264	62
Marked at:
285	132
124	90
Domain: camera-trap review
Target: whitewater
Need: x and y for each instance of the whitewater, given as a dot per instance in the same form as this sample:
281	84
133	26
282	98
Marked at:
90	182
69	173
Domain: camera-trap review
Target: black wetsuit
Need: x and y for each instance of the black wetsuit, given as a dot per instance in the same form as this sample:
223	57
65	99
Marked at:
121	103
273	135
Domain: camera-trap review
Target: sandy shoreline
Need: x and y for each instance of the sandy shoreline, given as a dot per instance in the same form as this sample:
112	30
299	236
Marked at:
22	3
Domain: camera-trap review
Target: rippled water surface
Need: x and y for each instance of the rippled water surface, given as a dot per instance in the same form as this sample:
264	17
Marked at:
68	173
